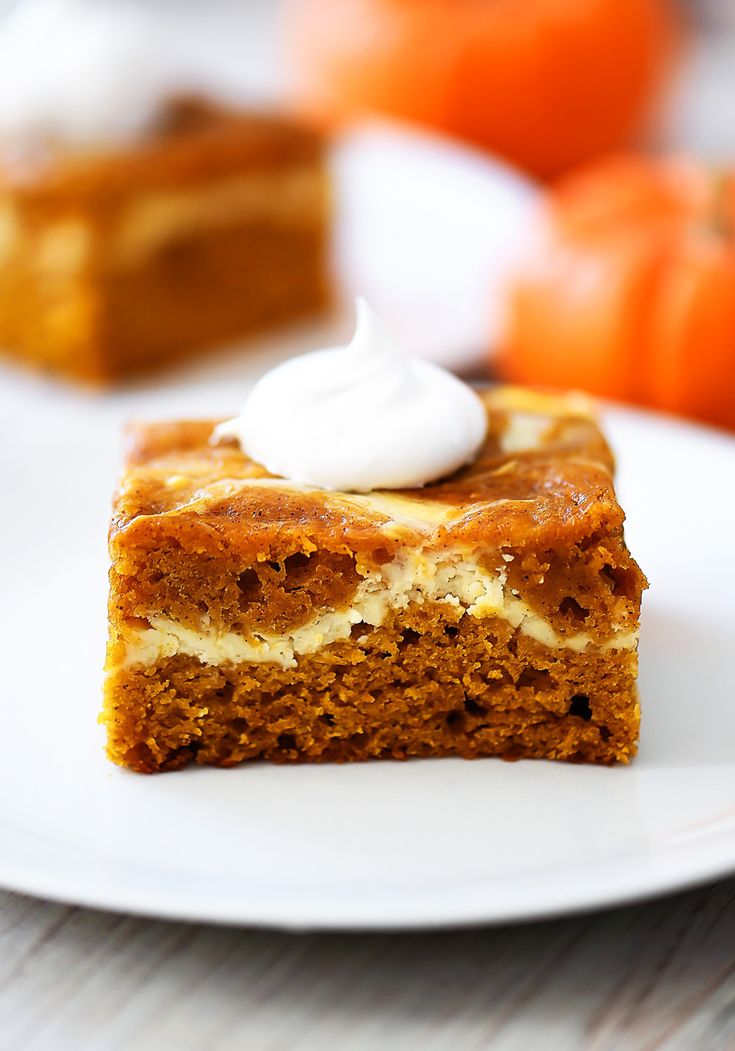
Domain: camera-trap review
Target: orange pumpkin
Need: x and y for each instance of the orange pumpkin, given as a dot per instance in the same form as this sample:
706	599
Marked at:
629	291
544	83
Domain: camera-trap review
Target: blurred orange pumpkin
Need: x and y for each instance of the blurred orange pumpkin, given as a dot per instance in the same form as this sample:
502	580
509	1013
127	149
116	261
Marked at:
629	291
545	83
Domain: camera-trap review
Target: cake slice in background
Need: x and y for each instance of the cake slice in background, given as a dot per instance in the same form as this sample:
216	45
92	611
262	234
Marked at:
144	214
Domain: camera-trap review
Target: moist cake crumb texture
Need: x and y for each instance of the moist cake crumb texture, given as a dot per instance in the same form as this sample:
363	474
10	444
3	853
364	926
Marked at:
493	613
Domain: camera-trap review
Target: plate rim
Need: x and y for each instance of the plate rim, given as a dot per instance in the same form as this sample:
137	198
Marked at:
626	881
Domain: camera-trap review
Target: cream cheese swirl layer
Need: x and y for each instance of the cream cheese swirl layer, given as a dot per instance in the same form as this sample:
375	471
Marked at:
452	578
360	417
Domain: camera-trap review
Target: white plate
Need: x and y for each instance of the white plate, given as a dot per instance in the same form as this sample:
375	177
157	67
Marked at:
381	844
426	231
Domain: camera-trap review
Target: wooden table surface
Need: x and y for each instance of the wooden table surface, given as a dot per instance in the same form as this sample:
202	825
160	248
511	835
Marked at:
659	975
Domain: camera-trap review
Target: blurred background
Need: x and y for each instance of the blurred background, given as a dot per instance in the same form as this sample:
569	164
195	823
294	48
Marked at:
696	113
536	190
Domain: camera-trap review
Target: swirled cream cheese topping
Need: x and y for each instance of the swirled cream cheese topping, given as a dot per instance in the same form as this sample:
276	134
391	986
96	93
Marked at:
360	417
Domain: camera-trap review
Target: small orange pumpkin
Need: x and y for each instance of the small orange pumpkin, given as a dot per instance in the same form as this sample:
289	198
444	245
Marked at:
629	292
545	83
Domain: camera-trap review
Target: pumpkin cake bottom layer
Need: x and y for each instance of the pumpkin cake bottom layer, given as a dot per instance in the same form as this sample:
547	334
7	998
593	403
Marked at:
427	682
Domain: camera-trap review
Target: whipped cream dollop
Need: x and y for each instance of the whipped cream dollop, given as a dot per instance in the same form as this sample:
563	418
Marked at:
360	417
91	72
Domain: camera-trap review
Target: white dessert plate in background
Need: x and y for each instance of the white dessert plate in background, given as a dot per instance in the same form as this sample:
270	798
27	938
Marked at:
427	231
384	844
